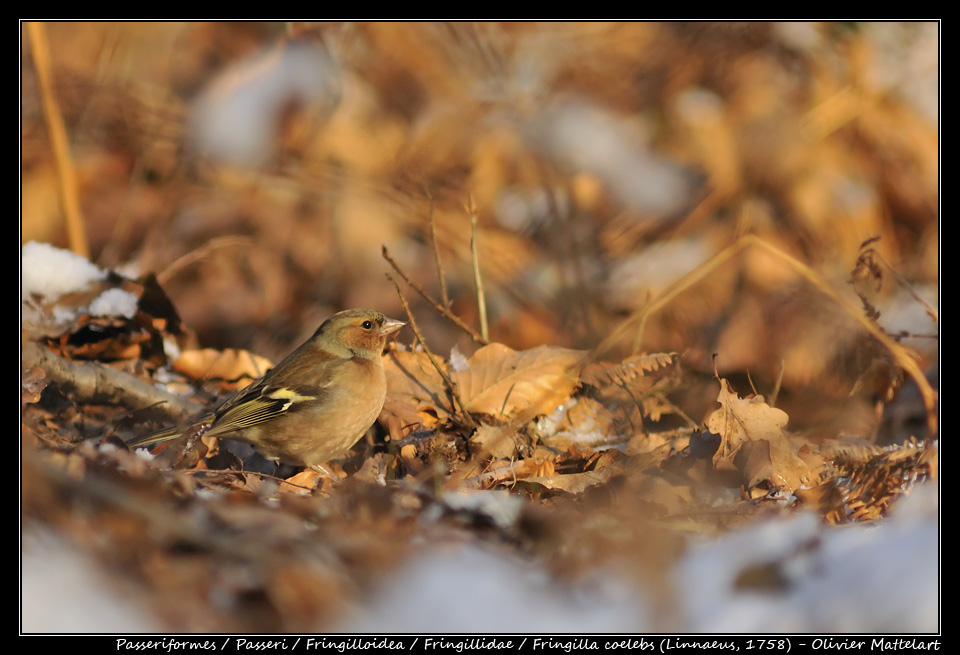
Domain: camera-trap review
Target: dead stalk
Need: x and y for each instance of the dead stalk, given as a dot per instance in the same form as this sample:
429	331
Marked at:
481	295
444	297
436	305
68	187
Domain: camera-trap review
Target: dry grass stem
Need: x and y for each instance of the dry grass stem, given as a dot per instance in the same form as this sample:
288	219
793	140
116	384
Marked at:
444	296
481	294
67	187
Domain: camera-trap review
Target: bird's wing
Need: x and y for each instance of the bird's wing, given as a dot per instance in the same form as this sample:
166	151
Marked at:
262	403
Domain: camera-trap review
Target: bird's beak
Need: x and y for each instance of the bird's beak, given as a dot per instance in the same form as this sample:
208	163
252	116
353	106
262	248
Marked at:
390	326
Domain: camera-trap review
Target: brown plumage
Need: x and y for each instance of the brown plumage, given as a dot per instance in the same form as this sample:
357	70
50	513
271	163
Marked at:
316	403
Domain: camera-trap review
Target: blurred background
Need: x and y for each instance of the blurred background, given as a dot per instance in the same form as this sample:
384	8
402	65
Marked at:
259	168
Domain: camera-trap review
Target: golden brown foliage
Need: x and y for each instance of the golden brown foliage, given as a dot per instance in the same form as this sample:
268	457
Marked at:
659	209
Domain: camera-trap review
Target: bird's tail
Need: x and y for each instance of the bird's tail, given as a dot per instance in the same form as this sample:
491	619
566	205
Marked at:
167	434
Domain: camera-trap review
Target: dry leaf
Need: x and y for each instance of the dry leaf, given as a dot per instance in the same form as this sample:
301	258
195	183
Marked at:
518	384
613	402
582	420
627	372
753	441
865	480
301	483
230	364
575	483
496	441
32	384
510	472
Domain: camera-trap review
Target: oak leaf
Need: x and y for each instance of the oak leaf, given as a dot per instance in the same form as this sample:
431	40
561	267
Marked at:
753	441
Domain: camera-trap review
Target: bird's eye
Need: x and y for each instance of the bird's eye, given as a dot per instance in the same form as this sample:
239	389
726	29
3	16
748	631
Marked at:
367	325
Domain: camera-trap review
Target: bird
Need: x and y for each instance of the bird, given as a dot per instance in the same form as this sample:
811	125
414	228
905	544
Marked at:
315	404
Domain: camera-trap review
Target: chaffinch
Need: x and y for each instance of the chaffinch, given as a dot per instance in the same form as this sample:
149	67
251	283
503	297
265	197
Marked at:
316	403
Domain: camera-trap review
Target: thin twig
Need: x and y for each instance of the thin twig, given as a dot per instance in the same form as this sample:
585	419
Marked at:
451	388
930	309
68	188
481	295
436	251
436	305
